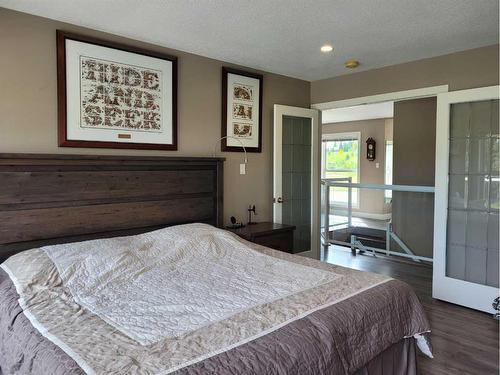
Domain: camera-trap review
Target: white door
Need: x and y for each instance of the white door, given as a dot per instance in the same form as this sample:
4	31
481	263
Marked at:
466	198
297	174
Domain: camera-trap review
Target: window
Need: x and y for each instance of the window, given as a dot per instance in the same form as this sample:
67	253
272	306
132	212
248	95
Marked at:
388	170
340	159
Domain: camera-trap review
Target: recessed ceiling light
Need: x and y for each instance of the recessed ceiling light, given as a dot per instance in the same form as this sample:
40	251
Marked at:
351	64
326	48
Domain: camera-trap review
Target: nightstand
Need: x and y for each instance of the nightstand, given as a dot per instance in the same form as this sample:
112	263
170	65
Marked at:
273	235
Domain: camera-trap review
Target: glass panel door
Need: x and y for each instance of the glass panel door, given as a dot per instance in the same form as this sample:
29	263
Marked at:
296	175
466	251
296	179
472	235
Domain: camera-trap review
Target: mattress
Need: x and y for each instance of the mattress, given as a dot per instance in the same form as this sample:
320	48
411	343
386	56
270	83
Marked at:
210	303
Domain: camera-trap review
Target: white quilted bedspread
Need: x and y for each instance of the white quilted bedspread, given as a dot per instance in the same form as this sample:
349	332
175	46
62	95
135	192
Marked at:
165	283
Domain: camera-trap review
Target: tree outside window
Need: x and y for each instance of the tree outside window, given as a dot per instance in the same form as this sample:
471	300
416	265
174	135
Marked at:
341	160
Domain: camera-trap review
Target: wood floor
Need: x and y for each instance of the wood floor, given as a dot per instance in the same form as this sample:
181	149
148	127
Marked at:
464	341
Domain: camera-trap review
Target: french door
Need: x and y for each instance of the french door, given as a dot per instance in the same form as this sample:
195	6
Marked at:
296	175
466	226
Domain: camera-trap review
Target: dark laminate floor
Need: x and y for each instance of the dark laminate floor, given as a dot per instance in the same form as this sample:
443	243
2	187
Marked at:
464	341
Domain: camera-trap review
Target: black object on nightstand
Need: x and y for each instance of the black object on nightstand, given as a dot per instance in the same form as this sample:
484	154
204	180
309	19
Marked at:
273	235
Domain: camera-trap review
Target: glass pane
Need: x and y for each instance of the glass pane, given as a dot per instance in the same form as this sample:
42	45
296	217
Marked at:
494	118
495	165
388	167
494	198
473	193
477	229
458	152
492	267
475	265
455	262
457	223
480	119
407	222
341	161
296	179
493	231
412	222
492	260
479	156
459	119
339	195
478	192
456	191
342	155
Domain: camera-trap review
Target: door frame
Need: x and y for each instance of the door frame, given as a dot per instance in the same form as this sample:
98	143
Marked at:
423	92
315	116
445	288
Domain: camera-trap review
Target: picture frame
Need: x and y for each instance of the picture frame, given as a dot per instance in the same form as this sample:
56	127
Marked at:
112	95
241	110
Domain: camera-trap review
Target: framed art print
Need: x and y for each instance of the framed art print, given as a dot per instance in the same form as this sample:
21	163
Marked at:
115	96
241	111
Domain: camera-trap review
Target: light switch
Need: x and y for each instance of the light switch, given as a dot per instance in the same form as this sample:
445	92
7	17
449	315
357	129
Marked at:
377	165
243	168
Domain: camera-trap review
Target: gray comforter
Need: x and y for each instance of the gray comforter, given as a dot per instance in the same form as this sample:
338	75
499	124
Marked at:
339	339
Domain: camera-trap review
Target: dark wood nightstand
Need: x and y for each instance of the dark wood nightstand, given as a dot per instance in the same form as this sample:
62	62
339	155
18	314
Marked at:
273	235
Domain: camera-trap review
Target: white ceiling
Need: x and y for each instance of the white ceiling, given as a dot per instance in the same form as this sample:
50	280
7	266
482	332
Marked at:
358	113
284	36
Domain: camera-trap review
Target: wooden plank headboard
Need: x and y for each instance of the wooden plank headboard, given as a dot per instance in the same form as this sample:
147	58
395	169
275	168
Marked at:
48	199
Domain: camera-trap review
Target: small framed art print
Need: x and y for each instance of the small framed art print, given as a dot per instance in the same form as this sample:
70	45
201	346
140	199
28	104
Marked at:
115	96
241	111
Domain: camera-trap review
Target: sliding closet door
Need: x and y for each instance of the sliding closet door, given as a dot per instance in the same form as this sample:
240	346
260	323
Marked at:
466	251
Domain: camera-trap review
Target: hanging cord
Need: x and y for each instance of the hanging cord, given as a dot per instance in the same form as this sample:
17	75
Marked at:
231	137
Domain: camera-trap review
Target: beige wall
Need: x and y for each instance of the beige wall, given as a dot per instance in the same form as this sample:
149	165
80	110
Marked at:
28	117
28	99
389	129
461	70
370	201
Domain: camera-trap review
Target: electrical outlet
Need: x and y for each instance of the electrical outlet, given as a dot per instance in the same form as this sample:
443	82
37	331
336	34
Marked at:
243	168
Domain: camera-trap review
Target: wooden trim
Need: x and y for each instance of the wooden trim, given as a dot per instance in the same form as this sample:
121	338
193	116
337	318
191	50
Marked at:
220	194
24	157
224	146
63	141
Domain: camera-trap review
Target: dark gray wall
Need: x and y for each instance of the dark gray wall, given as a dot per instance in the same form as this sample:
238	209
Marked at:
414	154
414	142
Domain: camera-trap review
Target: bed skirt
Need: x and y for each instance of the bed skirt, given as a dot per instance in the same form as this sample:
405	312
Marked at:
398	359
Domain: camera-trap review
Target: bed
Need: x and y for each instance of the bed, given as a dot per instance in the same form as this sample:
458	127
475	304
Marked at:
119	265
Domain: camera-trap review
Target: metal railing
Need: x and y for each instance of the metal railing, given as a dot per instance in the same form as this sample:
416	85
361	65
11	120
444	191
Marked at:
355	243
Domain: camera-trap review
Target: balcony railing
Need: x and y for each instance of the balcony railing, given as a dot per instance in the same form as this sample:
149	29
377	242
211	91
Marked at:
388	241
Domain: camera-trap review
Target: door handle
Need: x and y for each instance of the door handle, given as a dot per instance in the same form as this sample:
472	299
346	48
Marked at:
279	200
